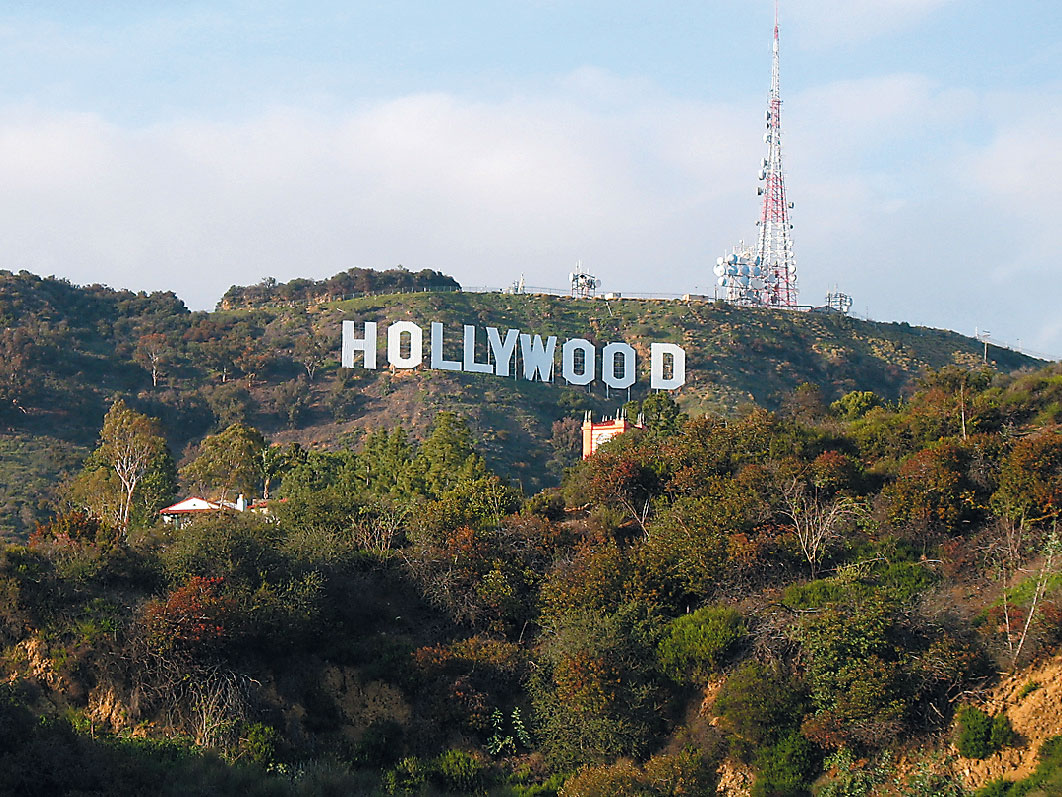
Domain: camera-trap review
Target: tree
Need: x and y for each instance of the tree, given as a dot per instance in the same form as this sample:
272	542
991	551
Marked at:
854	405
1030	484
15	349
153	352
932	490
817	521
805	404
274	461
624	474
447	458
251	361
312	350
658	413
229	461
129	442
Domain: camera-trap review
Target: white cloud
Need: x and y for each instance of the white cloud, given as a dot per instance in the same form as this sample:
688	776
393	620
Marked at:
856	20
486	191
647	190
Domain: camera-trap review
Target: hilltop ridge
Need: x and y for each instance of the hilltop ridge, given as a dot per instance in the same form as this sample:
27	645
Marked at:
66	351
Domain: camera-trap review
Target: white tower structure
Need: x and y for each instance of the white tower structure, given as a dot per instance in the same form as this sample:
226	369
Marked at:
774	249
583	284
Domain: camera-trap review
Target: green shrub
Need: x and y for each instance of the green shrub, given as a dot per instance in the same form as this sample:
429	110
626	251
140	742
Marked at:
758	706
978	735
407	777
996	788
258	742
1027	689
849	778
785	767
697	644
458	772
1002	733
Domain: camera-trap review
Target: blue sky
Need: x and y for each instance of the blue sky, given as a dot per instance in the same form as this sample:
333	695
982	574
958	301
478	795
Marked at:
193	145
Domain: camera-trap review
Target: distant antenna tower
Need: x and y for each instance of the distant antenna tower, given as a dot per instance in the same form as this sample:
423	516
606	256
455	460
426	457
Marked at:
740	276
774	249
583	284
838	302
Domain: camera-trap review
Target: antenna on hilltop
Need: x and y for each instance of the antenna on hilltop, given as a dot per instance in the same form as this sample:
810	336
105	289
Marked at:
775	246
765	273
583	285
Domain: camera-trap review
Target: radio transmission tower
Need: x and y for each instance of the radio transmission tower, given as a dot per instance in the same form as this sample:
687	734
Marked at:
774	249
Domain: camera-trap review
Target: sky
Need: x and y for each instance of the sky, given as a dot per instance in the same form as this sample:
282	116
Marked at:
190	146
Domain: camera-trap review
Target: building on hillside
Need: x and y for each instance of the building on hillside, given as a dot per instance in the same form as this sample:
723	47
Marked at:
190	508
596	435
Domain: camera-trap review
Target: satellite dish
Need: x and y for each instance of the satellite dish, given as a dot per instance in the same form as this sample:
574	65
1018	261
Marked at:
571	276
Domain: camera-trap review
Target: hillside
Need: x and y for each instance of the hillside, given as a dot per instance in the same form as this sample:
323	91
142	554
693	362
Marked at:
66	351
864	599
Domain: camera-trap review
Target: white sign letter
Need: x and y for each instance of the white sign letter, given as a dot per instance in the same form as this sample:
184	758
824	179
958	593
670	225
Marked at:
503	352
470	354
568	351
437	360
609	355
394	345
538	358
656	366
366	345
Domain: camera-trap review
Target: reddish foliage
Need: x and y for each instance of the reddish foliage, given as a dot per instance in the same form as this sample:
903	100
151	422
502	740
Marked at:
196	616
932	490
834	471
1031	481
72	530
586	680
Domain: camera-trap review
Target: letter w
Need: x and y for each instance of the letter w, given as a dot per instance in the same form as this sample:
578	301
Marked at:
538	359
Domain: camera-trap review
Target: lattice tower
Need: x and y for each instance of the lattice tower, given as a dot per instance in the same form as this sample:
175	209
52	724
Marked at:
774	248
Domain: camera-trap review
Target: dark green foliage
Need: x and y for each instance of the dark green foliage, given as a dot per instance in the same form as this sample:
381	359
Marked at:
978	734
1030	484
548	504
851	778
1002	733
696	645
658	412
408	776
760	706
997	788
853	674
596	693
380	745
785	768
973	733
259	743
228	463
48	757
347	283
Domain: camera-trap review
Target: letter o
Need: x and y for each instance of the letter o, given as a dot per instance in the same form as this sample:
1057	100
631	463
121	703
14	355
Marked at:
394	344
608	365
568	361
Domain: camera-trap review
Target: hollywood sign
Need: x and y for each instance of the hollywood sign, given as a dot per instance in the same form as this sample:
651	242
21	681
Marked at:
581	361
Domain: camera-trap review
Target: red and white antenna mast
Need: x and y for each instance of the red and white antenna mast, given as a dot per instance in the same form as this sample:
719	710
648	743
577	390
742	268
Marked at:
774	249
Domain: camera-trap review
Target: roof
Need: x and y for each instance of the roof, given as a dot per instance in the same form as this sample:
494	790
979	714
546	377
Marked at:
189	505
